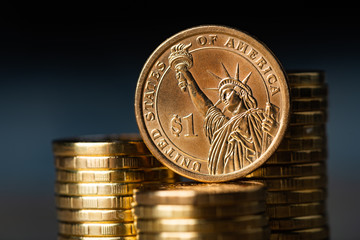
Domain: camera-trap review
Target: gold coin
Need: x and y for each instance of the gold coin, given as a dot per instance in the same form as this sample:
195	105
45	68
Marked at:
306	131
295	183
294	157
306	78
197	130
297	223
97	229
192	211
311	233
106	162
200	193
202	225
86	215
309	104
309	92
101	145
60	237
95	188
299	196
295	170
128	175
307	118
301	144
94	202
295	210
250	234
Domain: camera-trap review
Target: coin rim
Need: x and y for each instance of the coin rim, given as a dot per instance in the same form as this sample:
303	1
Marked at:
164	47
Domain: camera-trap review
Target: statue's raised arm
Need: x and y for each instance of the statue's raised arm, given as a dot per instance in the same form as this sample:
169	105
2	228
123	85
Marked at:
181	61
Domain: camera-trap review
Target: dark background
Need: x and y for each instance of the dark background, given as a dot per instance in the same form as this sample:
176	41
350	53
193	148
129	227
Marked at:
72	70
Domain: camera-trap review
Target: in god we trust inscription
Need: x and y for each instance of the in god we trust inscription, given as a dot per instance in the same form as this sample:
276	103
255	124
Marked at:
212	103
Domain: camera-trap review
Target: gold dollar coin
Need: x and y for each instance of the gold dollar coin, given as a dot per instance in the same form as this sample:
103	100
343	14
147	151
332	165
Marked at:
86	215
295	210
61	237
250	234
306	78
295	183
299	196
311	233
201	225
212	103
295	157
97	229
296	170
309	92
105	162
101	145
94	202
307	118
128	175
191	211
201	194
297	223
306	131
297	144
309	104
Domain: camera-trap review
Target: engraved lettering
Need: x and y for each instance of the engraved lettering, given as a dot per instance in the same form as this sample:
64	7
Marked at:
261	62
150	95
185	162
156	75
229	43
170	152
213	38
155	133
162	144
241	47
272	78
274	90
160	66
252	54
148	105
201	40
150	116
196	166
266	70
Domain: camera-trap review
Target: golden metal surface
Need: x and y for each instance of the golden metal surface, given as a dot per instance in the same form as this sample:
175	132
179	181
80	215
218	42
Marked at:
283	171
251	234
309	92
60	237
306	131
301	144
94	202
299	196
128	175
201	225
192	211
312	233
195	95
86	215
203	194
297	223
101	145
97	229
306	78
309	104
307	118
295	210
295	183
295	157
105	162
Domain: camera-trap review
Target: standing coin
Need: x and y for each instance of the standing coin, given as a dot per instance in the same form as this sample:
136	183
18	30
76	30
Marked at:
212	103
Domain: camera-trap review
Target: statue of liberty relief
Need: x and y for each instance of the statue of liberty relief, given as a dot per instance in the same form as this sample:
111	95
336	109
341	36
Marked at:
237	141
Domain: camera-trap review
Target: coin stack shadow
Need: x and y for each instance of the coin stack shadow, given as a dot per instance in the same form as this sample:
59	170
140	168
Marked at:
295	175
198	211
95	179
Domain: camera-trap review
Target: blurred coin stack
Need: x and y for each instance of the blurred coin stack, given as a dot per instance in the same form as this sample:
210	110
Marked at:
95	179
195	211
295	175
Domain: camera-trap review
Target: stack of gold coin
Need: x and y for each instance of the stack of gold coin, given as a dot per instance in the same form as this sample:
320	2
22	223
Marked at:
296	174
95	179
196	211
